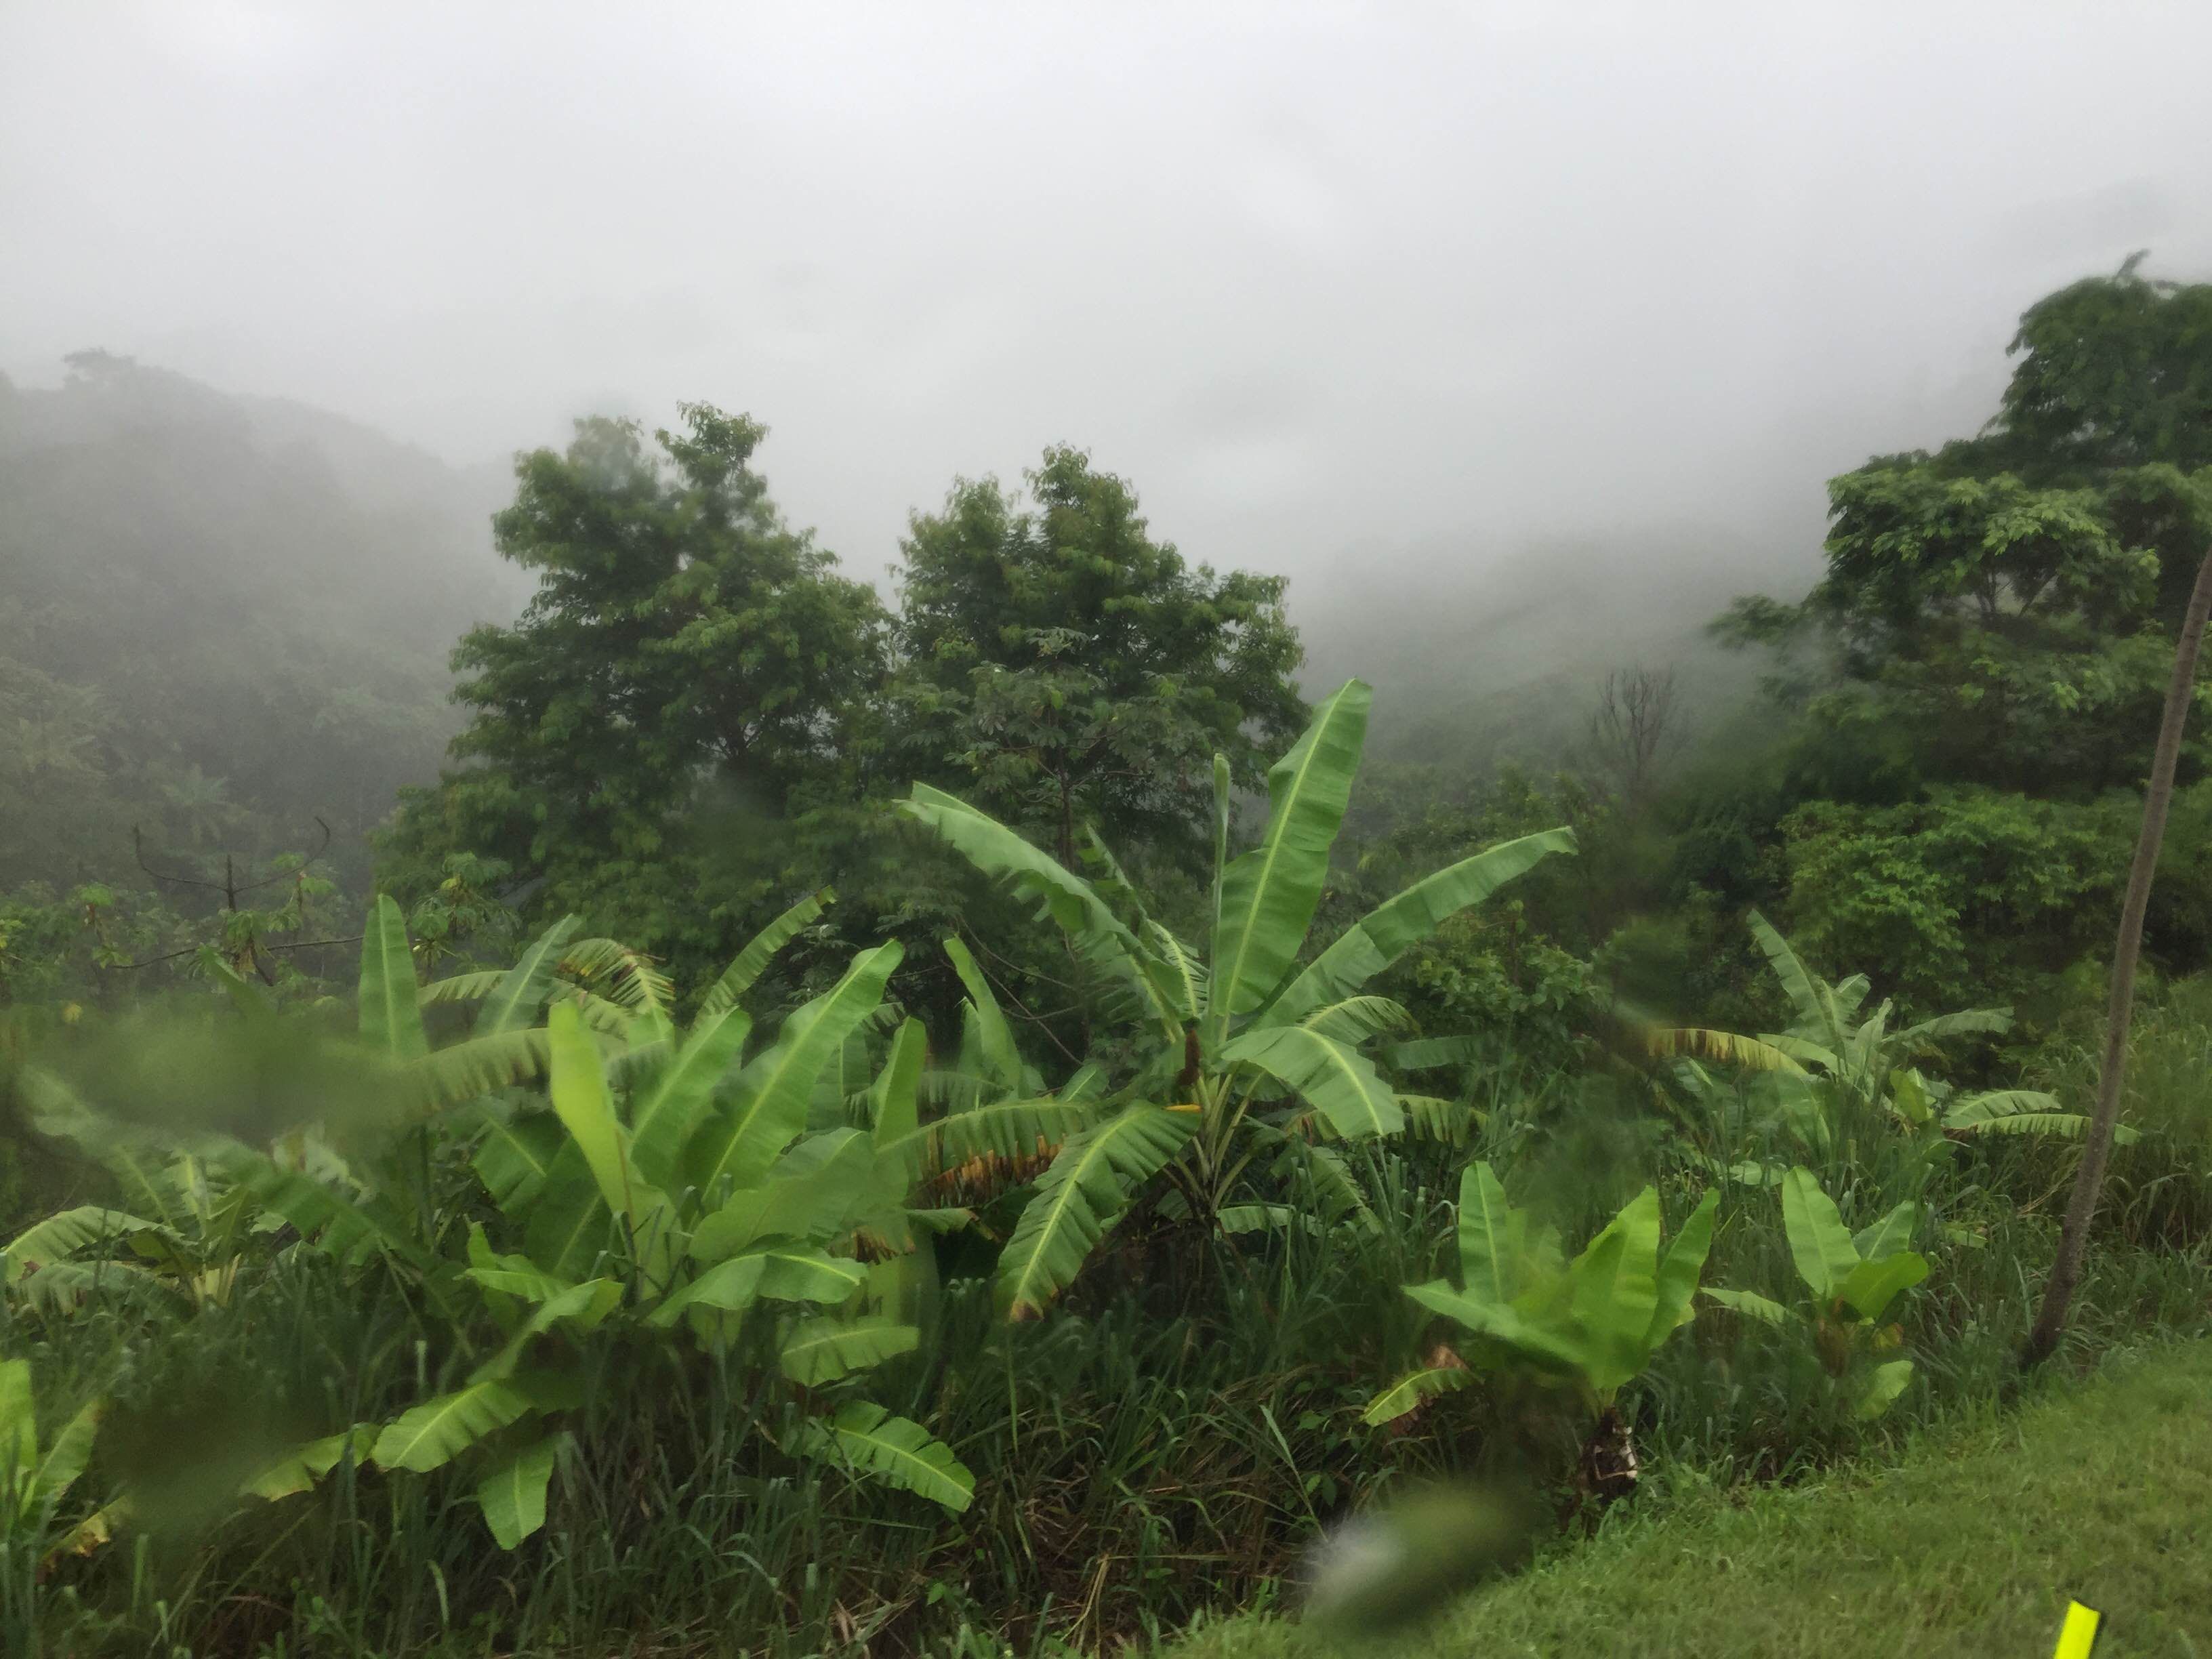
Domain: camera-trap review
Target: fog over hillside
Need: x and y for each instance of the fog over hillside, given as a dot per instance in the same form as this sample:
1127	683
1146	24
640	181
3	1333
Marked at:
1394	301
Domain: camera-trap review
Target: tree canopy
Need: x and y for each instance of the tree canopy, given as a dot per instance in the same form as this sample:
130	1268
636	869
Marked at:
689	675
1065	669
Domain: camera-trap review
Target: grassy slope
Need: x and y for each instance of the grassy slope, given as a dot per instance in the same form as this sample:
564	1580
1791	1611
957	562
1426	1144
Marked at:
1972	1545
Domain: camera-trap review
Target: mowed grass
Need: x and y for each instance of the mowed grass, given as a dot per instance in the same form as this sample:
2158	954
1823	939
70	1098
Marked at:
2099	1490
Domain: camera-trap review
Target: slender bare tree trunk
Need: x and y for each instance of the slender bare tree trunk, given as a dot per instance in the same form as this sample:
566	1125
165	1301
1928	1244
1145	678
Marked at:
2089	1179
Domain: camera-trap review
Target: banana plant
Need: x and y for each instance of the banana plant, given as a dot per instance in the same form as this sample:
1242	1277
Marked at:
36	1476
1591	1325
1835	1063
192	1253
1850	1281
199	1198
1249	1057
669	1195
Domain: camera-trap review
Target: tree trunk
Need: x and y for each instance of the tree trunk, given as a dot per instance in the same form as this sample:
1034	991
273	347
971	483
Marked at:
2089	1179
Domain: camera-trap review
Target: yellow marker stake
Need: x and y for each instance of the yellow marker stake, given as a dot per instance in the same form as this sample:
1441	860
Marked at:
2078	1635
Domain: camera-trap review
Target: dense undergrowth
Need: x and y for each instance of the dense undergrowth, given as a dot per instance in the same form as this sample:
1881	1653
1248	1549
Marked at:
859	1131
529	1314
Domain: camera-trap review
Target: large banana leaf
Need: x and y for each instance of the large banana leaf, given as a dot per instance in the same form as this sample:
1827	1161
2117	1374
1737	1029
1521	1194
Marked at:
1269	894
1004	1128
516	1156
1415	1389
460	987
1491	1237
811	1197
438	1430
1883	1387
823	1350
1430	1054
1357	1019
602	1014
1678	1270
1222	809
1434	1118
1816	1014
521	991
1337	1197
1547	1345
390	1018
727	1286
300	1468
1614	1293
663	1116
1872	1285
1394	927
1340	1081
1968	1021
513	1496
65	1458
738	977
624	976
1893	1233
19	1424
795	1273
475	1066
740	1139
64	1234
569	1226
1071	902
65	1286
1077	1199
870	1441
1819	1244
578	1088
894	1098
1749	1303
2023	1112
994	1035
1715	1047
343	1227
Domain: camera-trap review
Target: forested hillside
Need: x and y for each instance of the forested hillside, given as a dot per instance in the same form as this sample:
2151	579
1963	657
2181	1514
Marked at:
985	1115
224	623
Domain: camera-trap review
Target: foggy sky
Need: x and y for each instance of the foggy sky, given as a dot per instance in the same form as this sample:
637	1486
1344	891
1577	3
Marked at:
1386	279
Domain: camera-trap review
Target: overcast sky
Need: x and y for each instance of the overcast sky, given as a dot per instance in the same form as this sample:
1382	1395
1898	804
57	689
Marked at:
1385	278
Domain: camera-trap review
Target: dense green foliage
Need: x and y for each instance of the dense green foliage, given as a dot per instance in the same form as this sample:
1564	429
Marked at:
973	1122
1065	670
689	676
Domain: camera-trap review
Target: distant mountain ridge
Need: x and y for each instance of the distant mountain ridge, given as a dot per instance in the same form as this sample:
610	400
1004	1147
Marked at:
245	593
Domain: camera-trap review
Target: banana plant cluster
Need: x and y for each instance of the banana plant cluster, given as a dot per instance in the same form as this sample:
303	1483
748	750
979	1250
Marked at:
1252	1063
37	1472
1589	1325
1851	1282
1835	1061
666	1189
652	1188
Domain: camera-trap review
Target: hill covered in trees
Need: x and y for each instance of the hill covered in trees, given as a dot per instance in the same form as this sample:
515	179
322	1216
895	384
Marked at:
848	1108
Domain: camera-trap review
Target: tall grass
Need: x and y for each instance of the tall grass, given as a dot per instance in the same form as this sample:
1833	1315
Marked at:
2158	1191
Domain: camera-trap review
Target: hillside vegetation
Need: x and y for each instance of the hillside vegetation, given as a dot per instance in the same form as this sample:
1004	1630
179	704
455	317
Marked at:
986	1118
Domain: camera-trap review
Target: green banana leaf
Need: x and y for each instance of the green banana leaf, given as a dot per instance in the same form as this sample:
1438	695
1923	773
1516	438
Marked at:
1395	926
390	1017
1077	1199
1269	894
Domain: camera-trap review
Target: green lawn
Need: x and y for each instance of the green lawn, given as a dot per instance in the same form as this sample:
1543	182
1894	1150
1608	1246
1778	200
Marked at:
2100	1490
